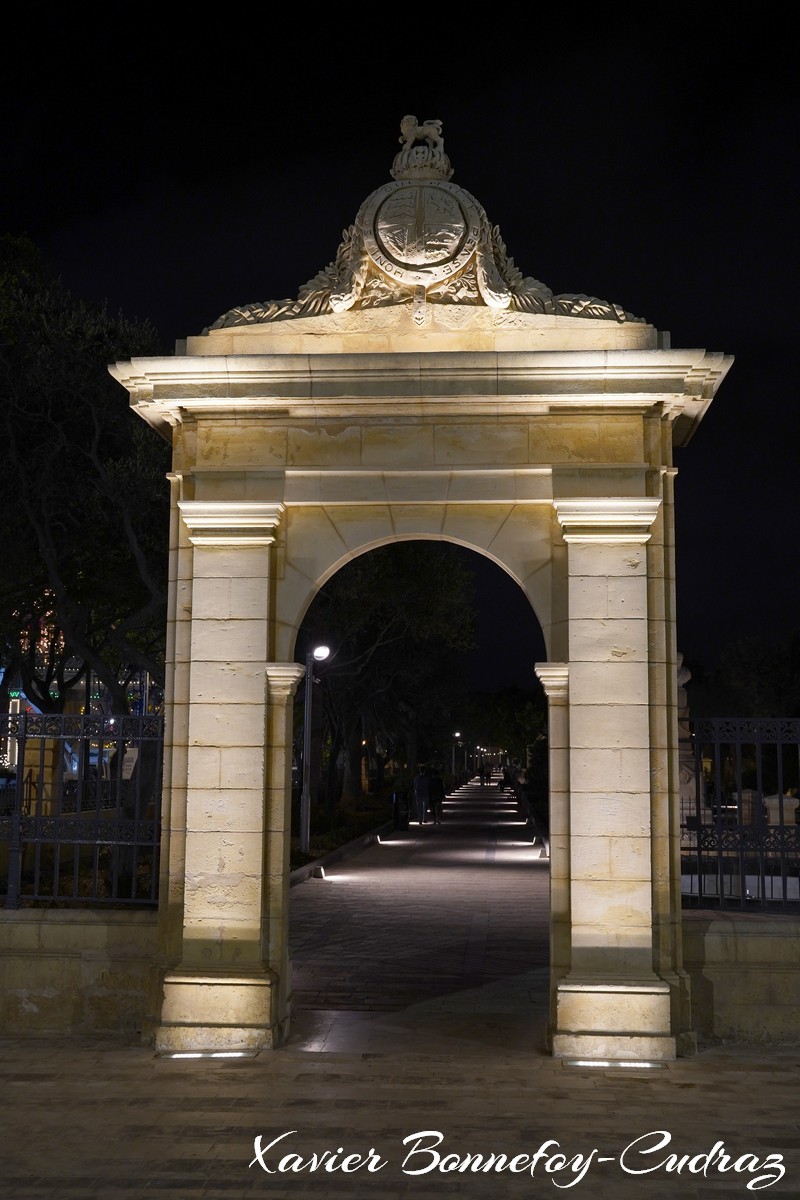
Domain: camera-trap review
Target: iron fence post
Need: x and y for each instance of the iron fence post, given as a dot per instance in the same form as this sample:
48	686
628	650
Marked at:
14	850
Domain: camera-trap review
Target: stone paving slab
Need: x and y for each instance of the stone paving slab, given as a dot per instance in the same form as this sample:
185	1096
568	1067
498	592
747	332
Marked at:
98	1121
421	988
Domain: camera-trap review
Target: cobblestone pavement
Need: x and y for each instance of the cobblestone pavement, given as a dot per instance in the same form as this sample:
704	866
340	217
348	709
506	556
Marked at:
420	981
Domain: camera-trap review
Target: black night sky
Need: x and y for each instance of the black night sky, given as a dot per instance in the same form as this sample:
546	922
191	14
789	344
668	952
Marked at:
175	175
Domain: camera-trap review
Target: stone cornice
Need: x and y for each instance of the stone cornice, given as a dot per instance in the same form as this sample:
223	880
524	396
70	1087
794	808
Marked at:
554	678
609	520
230	523
165	391
283	678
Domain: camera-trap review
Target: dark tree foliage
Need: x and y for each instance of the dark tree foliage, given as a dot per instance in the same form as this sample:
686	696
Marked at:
397	620
84	507
512	720
754	677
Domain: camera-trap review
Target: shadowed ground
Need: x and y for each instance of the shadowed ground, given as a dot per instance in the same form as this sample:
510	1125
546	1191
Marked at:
420	983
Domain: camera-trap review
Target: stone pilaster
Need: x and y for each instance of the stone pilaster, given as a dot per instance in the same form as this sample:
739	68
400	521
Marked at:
611	1004
554	678
176	690
282	681
226	992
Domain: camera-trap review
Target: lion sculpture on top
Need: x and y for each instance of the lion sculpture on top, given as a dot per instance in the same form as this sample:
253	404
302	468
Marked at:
429	131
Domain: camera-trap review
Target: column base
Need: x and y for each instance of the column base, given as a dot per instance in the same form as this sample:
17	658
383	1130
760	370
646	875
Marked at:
206	1013
619	1020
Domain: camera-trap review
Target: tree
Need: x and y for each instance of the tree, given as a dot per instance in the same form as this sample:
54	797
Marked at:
513	719
754	677
84	508
396	619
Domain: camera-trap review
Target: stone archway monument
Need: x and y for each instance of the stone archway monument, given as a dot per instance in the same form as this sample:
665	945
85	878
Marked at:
421	387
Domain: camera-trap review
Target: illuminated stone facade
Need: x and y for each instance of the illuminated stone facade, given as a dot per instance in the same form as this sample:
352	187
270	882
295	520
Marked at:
420	387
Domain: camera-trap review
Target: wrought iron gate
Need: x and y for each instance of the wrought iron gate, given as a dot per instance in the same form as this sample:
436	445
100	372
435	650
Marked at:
740	838
80	809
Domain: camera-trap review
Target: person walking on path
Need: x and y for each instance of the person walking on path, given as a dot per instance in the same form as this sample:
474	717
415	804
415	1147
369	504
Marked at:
422	793
437	797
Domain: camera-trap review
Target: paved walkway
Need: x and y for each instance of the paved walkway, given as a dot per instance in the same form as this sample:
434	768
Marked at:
420	973
435	938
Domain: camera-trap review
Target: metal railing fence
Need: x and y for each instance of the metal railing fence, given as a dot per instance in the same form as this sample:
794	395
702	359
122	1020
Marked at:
80	816
740	838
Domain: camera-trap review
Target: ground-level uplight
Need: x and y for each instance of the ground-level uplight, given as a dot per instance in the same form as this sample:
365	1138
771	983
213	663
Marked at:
209	1054
315	654
609	1063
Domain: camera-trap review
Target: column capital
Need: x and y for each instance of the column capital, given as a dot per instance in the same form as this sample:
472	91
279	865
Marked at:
554	678
231	522
609	519
283	678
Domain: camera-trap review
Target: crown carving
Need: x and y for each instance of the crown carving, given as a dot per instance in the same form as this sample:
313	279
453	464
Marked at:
422	155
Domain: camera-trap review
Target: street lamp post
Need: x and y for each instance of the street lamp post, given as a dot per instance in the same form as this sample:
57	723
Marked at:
317	654
456	736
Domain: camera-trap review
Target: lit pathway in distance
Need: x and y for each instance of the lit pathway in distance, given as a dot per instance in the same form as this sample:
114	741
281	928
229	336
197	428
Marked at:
438	934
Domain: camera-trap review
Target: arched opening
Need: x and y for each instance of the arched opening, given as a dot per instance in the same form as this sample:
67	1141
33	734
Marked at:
433	930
